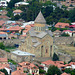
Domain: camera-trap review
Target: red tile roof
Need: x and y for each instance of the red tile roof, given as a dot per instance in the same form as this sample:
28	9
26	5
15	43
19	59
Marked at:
67	31
72	63
17	11
73	26
3	60
11	28
3	33
25	31
65	74
48	62
28	65
1	22
61	25
57	31
18	73
4	17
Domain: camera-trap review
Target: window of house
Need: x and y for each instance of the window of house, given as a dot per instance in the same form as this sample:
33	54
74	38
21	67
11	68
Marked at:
67	2
3	2
46	50
59	26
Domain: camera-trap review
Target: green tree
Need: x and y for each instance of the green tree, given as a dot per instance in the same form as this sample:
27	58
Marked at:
4	71
55	57
53	29
64	20
52	70
2	45
16	17
65	35
67	70
41	71
12	3
72	15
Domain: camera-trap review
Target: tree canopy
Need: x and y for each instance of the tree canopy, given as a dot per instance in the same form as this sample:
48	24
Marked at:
2	45
4	71
55	57
52	70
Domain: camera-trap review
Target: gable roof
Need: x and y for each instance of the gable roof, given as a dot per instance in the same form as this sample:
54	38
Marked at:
48	62
3	60
40	18
57	31
67	31
65	74
1	22
73	26
18	73
63	25
17	11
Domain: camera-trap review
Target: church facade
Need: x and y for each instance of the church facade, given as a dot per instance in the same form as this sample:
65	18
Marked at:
38	40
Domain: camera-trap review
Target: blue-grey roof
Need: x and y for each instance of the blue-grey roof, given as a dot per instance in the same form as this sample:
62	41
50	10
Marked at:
32	32
41	34
50	32
36	44
34	40
3	35
22	53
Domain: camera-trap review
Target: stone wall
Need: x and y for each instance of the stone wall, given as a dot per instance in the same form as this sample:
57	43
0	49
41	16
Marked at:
11	42
63	40
16	58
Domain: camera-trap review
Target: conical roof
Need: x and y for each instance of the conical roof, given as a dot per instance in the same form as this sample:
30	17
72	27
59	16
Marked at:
40	18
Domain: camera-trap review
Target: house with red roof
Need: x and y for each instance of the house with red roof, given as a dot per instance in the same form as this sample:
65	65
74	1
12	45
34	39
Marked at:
3	35
17	12
2	22
72	26
16	29
3	60
68	32
4	65
47	63
28	67
59	64
17	72
56	33
62	25
4	17
65	74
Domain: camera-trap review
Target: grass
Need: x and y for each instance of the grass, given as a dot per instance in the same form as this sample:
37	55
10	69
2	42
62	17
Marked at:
13	62
67	49
8	48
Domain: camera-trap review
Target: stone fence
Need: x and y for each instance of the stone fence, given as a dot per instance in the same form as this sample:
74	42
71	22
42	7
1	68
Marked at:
64	40
11	42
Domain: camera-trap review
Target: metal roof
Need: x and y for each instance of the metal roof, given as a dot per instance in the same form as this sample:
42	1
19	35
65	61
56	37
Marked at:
36	44
3	35
21	53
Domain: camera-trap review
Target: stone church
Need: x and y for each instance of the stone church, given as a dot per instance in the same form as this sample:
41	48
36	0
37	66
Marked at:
39	40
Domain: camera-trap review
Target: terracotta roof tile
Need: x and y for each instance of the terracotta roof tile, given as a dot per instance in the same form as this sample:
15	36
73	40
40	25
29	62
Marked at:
1	22
18	73
17	11
3	60
65	74
67	31
49	62
61	25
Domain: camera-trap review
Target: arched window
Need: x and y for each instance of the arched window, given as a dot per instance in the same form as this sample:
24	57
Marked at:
46	50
